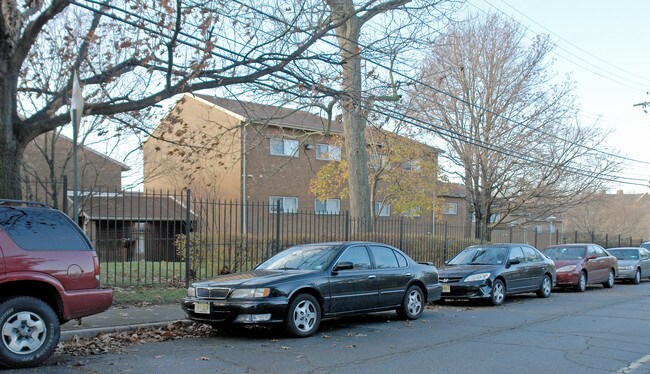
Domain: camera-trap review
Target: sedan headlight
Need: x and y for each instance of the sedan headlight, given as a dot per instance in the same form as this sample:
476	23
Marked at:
191	291
566	269
477	277
626	267
250	293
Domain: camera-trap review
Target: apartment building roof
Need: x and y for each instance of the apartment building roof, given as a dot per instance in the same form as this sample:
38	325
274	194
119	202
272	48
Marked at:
273	115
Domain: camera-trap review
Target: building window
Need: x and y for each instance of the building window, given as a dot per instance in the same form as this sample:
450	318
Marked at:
415	212
450	208
495	217
377	162
382	210
411	165
284	147
329	206
287	204
328	152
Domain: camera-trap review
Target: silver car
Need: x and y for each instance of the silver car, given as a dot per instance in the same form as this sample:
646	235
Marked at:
633	263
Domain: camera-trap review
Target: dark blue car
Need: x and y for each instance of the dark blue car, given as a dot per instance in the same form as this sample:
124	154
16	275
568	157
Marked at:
490	272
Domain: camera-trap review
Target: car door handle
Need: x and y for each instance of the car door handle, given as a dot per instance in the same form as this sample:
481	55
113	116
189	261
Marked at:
372	276
408	275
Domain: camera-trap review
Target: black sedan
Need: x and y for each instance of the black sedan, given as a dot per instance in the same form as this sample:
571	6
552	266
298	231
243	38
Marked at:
490	272
305	283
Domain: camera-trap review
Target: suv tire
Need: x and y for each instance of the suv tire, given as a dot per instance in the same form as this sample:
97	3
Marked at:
29	332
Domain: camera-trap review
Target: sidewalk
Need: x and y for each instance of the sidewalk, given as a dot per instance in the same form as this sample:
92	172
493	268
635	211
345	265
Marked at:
119	318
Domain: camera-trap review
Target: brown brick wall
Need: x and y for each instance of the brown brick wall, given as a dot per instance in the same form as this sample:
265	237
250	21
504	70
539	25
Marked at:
93	170
217	173
198	147
271	175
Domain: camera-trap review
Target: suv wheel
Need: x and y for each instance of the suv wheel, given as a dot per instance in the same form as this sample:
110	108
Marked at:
30	332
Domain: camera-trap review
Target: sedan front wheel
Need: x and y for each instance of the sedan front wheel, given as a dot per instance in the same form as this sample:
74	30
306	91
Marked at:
637	277
303	316
582	282
498	294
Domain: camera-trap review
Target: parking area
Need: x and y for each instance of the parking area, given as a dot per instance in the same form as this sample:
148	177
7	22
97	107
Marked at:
600	330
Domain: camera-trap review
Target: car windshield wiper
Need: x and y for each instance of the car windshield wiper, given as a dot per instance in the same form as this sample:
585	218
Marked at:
479	263
285	268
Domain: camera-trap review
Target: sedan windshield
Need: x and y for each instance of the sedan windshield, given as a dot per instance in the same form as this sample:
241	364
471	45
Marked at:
301	257
624	254
565	253
480	256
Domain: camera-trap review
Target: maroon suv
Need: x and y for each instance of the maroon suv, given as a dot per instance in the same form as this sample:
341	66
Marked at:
49	274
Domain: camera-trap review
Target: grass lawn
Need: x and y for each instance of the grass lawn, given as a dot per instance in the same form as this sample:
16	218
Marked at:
143	273
143	296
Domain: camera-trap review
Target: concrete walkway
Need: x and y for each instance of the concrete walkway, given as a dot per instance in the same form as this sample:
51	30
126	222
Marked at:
123	318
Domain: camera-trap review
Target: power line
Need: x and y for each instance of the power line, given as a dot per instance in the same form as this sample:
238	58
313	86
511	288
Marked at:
575	46
602	72
437	90
398	116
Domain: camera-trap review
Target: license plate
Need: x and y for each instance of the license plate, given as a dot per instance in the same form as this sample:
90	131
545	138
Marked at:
202	308
446	288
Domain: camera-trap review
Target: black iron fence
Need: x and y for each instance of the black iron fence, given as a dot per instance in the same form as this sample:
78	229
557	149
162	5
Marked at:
154	238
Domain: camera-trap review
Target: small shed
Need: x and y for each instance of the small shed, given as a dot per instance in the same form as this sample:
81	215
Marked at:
134	226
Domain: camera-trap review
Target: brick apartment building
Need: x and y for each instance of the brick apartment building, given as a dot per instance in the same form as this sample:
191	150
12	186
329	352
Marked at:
234	150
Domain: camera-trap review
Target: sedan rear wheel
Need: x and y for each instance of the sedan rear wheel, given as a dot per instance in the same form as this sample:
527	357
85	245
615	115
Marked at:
498	294
413	304
637	277
610	280
582	282
545	288
303	316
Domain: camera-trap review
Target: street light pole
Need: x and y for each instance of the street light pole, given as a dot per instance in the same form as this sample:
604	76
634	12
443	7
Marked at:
76	109
75	200
550	220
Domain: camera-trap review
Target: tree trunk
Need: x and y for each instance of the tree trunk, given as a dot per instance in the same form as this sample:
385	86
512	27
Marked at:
354	110
10	149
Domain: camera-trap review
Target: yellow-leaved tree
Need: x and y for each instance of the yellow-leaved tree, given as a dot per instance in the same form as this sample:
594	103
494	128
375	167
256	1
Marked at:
402	173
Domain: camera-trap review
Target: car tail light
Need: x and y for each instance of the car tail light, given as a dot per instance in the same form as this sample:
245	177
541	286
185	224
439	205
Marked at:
97	269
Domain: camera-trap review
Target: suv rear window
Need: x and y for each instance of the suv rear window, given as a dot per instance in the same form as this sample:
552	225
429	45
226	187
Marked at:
42	230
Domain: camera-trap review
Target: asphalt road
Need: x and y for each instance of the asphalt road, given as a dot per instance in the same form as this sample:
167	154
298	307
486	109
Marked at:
599	331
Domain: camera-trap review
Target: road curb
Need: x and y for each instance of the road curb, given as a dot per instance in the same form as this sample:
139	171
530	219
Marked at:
92	332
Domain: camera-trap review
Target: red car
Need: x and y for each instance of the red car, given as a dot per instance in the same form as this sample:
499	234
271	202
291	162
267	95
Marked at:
578	265
49	274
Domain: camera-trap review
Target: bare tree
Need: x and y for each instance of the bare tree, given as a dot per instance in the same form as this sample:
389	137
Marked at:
509	123
133	54
622	214
48	160
373	41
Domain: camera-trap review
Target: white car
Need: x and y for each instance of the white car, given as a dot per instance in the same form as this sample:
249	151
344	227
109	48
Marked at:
633	263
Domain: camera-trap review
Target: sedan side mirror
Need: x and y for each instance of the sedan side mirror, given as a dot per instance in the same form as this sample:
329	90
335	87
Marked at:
591	257
514	261
344	265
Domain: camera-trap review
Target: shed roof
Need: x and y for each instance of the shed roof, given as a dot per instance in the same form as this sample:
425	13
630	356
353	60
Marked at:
133	206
